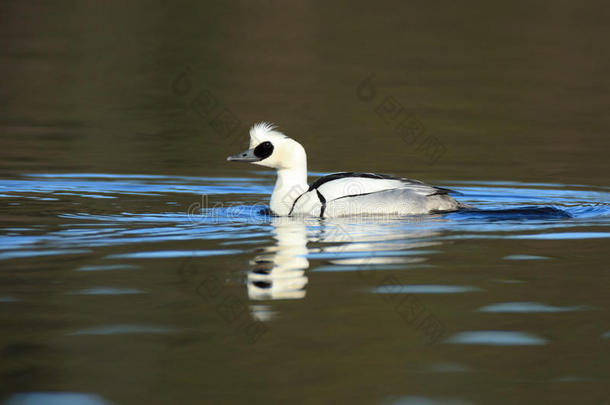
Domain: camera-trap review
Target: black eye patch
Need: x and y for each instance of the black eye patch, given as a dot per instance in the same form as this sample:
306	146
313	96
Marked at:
264	150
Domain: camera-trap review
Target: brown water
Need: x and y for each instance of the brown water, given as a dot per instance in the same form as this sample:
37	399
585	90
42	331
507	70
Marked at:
137	268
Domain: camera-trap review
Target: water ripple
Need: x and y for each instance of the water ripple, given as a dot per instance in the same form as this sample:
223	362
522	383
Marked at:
124	330
526	307
423	289
56	398
497	338
160	254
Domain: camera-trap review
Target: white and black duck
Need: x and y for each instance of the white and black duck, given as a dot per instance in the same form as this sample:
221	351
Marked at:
337	194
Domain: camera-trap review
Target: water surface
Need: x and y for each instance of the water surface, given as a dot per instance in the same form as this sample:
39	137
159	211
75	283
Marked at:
193	268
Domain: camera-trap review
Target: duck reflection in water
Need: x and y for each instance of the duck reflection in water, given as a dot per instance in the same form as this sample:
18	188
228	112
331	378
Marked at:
278	272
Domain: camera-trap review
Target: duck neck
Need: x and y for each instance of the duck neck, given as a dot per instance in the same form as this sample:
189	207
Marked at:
290	184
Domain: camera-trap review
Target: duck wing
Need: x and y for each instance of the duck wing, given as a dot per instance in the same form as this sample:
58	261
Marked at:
366	193
398	201
350	184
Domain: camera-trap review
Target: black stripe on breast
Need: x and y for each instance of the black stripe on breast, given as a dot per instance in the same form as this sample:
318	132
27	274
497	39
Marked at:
341	175
294	203
323	202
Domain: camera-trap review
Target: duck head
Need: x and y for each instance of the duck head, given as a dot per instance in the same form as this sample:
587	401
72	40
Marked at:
272	148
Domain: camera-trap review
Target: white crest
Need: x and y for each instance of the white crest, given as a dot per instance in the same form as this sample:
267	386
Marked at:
264	131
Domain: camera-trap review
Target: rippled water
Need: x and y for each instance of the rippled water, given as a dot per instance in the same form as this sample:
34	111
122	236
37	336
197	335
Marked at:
193	266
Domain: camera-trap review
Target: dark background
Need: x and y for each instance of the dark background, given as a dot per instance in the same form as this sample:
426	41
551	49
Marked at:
512	90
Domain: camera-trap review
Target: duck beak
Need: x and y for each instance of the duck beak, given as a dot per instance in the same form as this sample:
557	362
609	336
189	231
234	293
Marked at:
246	156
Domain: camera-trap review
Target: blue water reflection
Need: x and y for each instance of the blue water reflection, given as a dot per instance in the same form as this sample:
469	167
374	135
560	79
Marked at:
528	307
497	338
56	398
